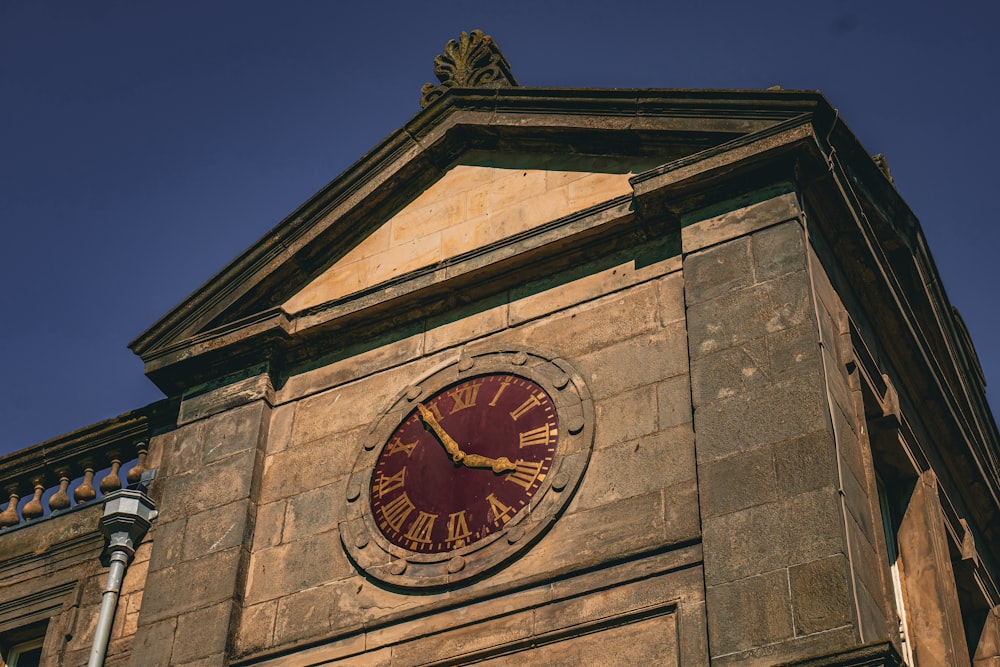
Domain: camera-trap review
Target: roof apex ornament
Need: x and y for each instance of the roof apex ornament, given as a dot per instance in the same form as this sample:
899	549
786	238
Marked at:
474	61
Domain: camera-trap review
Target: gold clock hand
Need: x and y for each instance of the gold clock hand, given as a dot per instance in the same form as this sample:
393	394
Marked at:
454	451
502	464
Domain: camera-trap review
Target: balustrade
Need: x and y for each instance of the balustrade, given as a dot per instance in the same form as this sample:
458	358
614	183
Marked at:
59	475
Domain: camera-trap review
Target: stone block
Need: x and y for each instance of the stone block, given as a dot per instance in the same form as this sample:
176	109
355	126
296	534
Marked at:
730	371
218	529
735	317
793	530
189	585
217	660
596	188
442	335
718	270
627	416
465	639
738	482
670	297
269	525
739	222
760	416
169	543
595	324
288	568
183	453
201	633
256	628
314	511
404	257
318	612
348	406
749	612
234	431
792	352
210	486
642	360
279	431
778	250
359	361
153	643
600	535
636	467
806	463
673	397
541	298
309	466
225	398
821	599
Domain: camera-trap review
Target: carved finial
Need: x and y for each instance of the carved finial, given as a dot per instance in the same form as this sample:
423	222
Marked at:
883	165
474	61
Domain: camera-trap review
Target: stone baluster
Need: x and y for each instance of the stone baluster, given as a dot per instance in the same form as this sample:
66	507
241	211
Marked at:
111	481
85	491
135	474
9	516
33	508
60	499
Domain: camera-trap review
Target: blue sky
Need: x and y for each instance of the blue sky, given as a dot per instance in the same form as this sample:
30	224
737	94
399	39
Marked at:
143	146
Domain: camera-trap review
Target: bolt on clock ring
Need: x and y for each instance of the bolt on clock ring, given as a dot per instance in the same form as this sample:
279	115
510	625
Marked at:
468	467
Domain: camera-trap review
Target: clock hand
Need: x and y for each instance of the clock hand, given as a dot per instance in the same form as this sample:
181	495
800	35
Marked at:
454	451
502	464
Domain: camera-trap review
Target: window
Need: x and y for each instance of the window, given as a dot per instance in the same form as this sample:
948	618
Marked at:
25	654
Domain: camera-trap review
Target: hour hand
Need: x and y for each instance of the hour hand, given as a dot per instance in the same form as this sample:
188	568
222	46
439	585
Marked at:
454	451
499	465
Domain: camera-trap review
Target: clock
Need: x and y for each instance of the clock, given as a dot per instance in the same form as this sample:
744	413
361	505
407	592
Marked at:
467	467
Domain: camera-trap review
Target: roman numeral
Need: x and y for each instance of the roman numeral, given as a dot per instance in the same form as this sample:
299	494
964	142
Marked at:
536	436
420	529
464	397
498	510
390	483
503	385
396	445
458	529
526	473
396	510
533	401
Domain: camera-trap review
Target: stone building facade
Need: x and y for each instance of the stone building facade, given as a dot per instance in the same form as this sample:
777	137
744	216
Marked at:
761	434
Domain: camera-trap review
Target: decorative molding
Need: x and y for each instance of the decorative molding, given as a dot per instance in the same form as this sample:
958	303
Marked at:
474	61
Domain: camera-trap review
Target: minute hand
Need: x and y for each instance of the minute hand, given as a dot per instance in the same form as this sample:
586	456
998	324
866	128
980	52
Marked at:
454	451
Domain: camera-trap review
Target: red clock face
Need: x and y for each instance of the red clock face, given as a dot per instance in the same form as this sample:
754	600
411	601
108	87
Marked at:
463	463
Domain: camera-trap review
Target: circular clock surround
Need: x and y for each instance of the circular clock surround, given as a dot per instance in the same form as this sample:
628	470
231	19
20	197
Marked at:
467	467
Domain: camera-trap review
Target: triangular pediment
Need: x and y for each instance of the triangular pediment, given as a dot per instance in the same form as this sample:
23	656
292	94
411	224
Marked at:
466	173
483	199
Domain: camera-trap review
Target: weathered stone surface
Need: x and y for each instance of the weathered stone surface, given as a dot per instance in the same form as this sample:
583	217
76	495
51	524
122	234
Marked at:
778	250
319	612
761	416
673	397
793	530
637	466
738	482
637	361
269	525
201	633
206	581
217	529
718	270
256	628
627	416
153	643
210	486
225	399
736	317
738	222
749	612
235	431
309	466
314	511
289	568
820	596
